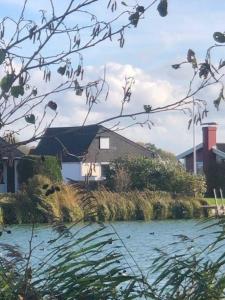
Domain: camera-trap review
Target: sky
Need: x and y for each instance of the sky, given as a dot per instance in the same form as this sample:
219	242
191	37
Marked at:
148	53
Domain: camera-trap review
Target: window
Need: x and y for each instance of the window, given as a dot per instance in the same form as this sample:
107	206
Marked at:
104	143
199	167
104	170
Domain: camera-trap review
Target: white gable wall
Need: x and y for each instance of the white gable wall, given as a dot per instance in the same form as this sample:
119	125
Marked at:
71	170
79	171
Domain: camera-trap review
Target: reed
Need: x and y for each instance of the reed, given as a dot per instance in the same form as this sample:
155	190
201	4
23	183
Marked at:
70	204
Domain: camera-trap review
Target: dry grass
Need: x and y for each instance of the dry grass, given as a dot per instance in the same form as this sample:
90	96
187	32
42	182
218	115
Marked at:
70	205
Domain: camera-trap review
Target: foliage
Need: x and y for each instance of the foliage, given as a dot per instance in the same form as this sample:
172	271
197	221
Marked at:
215	177
161	154
51	43
31	204
146	205
79	264
31	165
192	272
155	174
72	205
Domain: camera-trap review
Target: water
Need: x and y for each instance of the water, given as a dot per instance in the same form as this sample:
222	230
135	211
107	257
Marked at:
140	238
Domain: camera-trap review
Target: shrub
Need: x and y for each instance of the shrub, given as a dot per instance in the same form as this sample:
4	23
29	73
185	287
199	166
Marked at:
31	165
154	174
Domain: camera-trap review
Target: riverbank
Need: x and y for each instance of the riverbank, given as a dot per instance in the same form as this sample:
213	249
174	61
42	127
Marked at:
69	204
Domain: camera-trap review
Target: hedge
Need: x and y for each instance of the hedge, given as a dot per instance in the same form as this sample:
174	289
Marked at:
31	165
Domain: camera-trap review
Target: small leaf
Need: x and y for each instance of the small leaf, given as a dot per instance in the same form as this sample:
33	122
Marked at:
204	70
147	108
163	8
6	82
219	37
134	18
218	100
140	9
189	124
62	70
17	91
221	64
30	118
123	3
2	55
190	55
34	92
52	105
176	66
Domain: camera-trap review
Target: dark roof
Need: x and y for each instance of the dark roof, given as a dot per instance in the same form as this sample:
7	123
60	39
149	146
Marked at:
8	150
76	140
220	146
59	140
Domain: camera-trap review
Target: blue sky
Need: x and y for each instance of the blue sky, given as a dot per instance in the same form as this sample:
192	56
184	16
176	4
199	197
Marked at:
149	51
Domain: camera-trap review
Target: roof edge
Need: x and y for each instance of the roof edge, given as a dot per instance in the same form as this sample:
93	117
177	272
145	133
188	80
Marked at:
189	151
218	152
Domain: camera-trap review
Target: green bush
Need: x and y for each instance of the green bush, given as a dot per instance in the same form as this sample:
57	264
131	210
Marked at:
154	174
31	165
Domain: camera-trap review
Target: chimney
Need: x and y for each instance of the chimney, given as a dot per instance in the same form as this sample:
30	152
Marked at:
209	141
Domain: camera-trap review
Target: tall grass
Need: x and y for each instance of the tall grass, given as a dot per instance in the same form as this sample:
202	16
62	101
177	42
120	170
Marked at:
146	205
70	204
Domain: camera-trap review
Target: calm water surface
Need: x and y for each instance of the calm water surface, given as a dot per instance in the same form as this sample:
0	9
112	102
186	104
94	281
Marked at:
140	238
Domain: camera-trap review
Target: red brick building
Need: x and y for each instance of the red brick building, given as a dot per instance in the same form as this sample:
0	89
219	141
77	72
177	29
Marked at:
210	156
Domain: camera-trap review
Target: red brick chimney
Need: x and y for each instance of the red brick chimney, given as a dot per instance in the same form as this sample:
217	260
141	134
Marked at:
209	140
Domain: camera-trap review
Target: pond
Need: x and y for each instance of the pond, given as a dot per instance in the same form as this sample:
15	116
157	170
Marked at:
140	238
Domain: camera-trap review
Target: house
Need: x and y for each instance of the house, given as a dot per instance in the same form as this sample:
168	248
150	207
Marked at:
87	150
210	158
9	158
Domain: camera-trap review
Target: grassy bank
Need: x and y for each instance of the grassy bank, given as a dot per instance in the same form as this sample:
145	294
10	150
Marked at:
145	205
70	204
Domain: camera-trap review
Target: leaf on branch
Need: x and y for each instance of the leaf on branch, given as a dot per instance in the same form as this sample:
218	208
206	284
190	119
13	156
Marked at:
163	8
219	99
30	118
121	39
123	3
31	31
221	64
176	66
6	82
52	105
205	70
61	70
34	92
2	55
147	108
17	91
219	37
205	113
79	90
134	18
191	58
189	124
140	9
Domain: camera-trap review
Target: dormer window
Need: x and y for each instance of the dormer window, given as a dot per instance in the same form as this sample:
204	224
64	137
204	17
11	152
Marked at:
104	143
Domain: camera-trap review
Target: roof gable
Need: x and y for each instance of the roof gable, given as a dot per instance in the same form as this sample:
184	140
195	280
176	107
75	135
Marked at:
72	140
76	141
189	151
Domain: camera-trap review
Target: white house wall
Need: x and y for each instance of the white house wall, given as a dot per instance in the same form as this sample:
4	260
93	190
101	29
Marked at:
71	170
93	170
79	171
